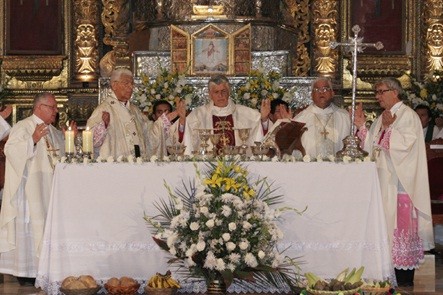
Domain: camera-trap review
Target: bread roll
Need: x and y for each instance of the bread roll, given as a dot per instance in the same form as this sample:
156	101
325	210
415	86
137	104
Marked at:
88	281
127	282
113	282
76	285
67	281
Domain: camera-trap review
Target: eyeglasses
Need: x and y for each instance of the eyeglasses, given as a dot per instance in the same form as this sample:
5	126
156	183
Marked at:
54	107
381	91
321	90
126	83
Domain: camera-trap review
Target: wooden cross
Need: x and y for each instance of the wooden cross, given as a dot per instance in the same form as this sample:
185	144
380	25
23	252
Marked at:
355	45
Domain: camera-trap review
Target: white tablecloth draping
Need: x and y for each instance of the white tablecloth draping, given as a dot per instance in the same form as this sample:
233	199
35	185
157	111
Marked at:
95	221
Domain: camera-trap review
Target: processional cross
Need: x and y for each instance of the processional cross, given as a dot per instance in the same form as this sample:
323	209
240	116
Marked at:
354	45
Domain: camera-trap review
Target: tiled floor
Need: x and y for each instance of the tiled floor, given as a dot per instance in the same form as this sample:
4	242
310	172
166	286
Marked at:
426	280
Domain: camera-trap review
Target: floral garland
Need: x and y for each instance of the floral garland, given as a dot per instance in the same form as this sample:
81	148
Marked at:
165	86
429	93
259	86
223	227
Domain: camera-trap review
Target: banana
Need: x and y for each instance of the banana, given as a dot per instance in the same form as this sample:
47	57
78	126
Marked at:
160	281
173	283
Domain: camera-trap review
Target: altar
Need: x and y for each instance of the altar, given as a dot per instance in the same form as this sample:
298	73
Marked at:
95	221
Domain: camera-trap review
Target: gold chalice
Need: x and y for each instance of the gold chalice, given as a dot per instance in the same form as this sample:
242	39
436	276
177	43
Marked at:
204	135
244	134
215	139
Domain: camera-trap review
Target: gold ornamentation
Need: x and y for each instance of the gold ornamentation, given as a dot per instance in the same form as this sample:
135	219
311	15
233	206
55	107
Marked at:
86	43
325	28
434	35
115	19
29	68
86	51
299	9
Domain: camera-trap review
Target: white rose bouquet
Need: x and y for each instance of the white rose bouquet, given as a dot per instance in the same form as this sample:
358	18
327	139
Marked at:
225	229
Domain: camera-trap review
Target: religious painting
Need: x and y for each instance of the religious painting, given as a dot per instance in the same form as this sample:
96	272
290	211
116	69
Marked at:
242	51
380	20
34	27
180	44
210	52
21	111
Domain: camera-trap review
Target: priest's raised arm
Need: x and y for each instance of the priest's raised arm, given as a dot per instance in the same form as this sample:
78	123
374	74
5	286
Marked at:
125	132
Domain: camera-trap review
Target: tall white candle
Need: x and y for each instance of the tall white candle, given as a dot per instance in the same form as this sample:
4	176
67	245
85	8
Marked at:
69	141
87	140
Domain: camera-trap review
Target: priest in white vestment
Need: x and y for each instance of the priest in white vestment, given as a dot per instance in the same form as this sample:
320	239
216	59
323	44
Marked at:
223	115
395	141
30	151
119	127
168	127
327	124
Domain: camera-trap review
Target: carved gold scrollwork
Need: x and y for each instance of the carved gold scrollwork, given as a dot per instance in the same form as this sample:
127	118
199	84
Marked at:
115	19
86	40
434	34
33	68
325	28
86	52
299	9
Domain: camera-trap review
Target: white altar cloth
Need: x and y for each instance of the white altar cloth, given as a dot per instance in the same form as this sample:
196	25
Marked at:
95	221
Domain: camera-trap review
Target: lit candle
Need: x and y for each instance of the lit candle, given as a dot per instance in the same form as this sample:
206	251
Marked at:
87	140
69	141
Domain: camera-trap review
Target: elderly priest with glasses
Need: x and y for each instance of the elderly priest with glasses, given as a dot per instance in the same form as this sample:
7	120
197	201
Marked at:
31	150
327	124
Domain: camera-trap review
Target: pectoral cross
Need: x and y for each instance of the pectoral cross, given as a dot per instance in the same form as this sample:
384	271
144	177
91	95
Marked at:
324	133
354	45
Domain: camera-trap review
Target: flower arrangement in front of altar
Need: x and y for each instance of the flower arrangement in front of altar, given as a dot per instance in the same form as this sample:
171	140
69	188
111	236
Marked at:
224	228
429	93
258	86
168	86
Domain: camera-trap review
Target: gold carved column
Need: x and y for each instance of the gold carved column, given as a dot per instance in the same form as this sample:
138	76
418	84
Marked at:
299	9
433	22
85	53
116	20
325	17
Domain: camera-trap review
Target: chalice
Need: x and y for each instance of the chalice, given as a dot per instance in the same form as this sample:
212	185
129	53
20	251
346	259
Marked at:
204	135
243	133
215	139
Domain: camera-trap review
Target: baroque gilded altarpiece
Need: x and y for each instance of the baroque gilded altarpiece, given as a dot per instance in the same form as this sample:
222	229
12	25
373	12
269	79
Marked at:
98	34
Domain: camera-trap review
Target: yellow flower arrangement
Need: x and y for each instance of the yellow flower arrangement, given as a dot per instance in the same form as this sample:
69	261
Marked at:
429	93
224	227
258	86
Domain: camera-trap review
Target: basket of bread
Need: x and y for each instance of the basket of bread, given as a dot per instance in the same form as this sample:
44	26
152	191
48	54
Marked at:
82	285
122	286
346	283
162	284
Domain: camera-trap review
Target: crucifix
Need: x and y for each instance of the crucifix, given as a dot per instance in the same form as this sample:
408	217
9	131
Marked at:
354	45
